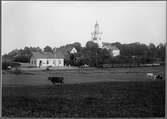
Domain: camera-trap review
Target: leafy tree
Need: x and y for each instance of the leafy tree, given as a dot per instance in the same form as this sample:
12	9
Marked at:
92	55
152	50
161	51
91	45
77	45
12	64
48	49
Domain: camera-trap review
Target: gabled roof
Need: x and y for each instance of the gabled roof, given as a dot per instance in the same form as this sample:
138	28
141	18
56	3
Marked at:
114	48
73	50
109	46
43	55
59	53
46	55
105	43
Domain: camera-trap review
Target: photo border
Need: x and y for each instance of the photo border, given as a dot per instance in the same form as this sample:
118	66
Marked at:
71	1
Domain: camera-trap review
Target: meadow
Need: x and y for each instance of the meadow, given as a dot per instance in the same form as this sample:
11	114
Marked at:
116	92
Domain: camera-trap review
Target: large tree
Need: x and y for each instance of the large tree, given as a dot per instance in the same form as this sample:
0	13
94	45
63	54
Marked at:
152	50
161	48
48	49
91	45
77	45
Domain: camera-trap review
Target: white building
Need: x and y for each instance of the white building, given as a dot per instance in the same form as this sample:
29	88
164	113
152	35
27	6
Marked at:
55	59
44	59
114	51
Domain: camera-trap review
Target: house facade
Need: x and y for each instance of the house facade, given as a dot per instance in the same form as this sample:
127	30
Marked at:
45	59
115	53
55	59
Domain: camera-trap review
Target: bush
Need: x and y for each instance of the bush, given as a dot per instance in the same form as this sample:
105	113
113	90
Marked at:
16	70
5	65
22	59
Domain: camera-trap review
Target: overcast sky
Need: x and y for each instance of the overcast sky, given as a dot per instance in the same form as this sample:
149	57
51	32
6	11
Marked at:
61	22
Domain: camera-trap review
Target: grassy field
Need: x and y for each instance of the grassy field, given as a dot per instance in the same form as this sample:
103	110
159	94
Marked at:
115	92
79	76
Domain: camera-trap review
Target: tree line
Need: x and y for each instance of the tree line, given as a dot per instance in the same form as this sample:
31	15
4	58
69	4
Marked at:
134	53
91	54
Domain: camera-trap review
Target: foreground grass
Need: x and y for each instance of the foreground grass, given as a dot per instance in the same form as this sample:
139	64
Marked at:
102	99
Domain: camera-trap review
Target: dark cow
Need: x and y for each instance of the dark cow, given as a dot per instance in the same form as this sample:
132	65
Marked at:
154	76
55	80
159	77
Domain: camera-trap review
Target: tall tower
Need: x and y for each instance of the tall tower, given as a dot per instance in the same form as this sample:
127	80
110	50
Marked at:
96	35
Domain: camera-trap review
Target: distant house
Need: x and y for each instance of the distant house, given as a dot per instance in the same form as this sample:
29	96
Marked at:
73	50
114	51
44	59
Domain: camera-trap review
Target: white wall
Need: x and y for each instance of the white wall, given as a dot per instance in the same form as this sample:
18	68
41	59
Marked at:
48	62
73	50
116	53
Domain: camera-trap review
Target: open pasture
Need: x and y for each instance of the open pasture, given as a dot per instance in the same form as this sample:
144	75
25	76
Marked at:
117	92
100	99
72	76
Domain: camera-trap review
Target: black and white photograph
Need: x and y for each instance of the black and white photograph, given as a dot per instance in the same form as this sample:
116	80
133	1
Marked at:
83	59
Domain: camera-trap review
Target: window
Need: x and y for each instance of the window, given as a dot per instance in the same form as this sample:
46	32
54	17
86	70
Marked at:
59	61
54	61
47	62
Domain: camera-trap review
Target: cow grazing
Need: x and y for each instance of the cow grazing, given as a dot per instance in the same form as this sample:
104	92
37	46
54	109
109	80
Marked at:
150	75
54	80
154	76
159	77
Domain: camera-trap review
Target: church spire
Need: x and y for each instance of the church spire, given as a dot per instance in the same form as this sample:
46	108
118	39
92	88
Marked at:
96	34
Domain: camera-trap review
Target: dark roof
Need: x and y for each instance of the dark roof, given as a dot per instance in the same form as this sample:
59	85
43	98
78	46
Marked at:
45	55
59	53
109	46
63	51
105	43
